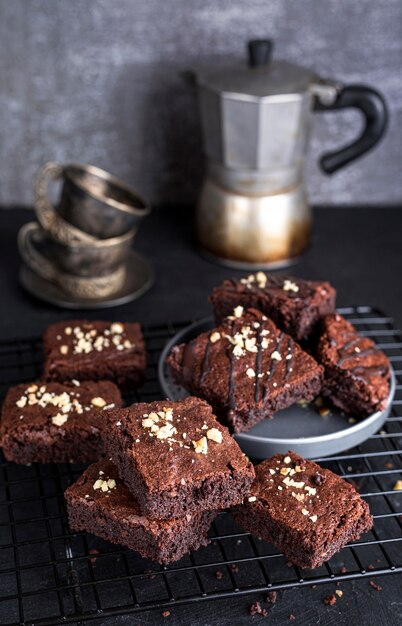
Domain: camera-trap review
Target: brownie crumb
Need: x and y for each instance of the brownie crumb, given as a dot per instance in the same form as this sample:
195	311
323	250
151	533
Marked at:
218	574
370	566
93	558
256	609
374	585
330	600
291	617
272	597
343	570
313	586
165	613
234	568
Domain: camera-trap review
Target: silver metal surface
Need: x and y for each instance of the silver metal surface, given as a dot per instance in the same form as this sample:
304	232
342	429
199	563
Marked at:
92	201
300	429
37	251
139	278
254	230
256	121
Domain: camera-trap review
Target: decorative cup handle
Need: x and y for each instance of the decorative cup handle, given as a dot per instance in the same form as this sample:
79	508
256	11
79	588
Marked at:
50	221
44	209
31	256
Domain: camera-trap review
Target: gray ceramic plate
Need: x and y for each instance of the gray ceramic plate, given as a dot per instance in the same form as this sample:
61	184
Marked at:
296	428
139	278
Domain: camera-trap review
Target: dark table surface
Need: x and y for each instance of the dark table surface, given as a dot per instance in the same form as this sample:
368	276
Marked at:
356	249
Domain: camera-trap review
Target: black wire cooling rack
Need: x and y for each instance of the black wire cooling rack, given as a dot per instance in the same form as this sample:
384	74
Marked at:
49	574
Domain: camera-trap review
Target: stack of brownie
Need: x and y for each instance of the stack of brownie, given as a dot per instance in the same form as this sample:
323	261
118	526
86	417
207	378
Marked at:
259	360
172	467
55	420
161	471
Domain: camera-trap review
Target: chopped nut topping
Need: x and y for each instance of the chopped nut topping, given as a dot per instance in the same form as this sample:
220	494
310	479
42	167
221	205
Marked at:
147	422
310	490
104	485
59	419
100	402
285	470
398	485
271	471
252	499
292	483
117	328
68	330
304	511
289	285
339	593
261	279
21	402
164	432
215	435
215	337
201	446
63	349
287	459
238	311
313	518
298	496
276	356
250	372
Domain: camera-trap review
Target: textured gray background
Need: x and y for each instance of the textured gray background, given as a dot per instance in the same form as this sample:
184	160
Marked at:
98	82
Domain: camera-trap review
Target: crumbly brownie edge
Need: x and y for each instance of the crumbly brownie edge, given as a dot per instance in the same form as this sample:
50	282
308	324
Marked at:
208	494
307	390
302	323
124	375
163	547
255	520
40	446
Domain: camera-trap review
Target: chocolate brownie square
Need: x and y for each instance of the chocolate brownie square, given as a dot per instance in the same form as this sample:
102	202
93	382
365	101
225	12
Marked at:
176	458
246	368
356	371
54	422
294	304
100	503
98	350
307	512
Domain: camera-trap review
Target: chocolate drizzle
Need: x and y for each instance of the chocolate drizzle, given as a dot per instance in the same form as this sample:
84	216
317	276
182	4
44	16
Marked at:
205	361
360	371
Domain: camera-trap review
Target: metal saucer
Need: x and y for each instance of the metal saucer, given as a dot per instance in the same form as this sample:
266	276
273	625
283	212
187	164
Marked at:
296	428
139	278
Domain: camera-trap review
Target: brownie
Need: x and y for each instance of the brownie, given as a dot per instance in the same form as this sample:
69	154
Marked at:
98	350
246	368
356	372
54	422
176	458
307	512
294	304
100	503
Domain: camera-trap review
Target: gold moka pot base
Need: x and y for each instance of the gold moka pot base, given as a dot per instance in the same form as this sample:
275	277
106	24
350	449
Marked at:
245	232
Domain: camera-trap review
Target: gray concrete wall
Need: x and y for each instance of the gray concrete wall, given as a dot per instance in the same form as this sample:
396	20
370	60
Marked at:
97	81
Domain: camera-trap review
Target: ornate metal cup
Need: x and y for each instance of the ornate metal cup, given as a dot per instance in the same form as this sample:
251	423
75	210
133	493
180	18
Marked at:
93	204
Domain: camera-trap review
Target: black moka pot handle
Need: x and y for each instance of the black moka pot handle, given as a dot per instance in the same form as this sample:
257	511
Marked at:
372	104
